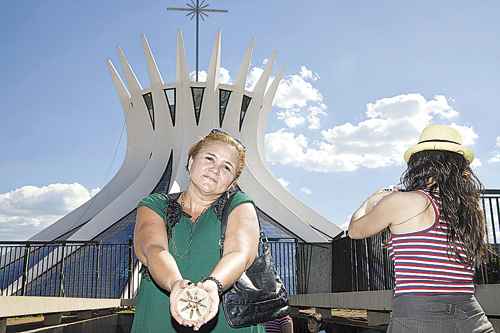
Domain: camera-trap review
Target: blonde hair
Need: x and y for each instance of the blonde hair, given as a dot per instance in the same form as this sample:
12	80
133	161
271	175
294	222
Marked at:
217	135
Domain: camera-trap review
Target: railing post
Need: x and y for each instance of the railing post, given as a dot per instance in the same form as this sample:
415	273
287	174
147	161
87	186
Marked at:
385	258
332	287
97	269
354	262
297	269
26	260
367	274
61	275
130	268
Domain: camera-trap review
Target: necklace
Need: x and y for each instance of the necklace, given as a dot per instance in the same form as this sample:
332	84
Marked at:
184	208
192	229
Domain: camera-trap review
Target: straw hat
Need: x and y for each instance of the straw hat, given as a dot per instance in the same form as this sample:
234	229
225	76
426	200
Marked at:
440	137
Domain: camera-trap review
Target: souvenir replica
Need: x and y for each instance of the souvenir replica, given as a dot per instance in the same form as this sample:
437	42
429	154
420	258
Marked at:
193	304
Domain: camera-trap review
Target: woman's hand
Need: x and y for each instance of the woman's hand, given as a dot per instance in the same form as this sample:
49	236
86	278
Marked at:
175	291
213	293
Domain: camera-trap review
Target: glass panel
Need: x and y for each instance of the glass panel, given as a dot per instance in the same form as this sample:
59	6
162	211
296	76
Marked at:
170	96
164	183
197	93
223	101
271	227
148	99
244	106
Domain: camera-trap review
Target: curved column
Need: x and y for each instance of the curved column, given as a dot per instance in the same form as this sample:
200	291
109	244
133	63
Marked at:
160	148
136	156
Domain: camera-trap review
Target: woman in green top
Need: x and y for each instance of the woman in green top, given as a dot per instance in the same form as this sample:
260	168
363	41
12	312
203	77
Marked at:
189	252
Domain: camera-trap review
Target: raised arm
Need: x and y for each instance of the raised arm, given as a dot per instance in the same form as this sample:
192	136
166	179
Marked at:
151	248
390	209
373	216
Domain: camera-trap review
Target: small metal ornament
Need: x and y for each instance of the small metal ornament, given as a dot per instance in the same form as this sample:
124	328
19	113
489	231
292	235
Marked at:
193	304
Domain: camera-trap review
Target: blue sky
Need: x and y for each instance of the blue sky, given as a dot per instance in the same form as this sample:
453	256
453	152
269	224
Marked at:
361	79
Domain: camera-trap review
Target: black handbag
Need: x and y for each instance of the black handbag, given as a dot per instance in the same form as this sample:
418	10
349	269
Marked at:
259	295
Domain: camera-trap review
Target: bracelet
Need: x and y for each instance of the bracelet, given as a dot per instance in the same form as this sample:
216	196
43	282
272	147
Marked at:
220	288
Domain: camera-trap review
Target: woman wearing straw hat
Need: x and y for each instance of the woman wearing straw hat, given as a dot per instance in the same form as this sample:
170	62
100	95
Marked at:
437	237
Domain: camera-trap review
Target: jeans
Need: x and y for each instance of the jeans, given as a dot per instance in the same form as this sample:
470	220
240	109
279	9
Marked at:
438	313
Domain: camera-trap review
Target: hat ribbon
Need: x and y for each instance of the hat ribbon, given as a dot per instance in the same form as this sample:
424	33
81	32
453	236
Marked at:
437	140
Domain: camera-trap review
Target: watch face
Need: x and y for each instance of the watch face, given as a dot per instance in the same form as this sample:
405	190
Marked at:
193	303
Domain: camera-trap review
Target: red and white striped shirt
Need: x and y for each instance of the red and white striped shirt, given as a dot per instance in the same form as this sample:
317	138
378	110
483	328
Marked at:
424	263
275	326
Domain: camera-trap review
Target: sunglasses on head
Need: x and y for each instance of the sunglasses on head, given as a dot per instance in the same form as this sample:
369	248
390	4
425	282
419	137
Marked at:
220	131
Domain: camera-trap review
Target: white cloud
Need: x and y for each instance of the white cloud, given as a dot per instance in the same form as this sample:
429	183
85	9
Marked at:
252	78
283	182
468	135
95	191
306	190
390	126
298	101
295	117
29	209
291	117
202	76
294	92
313	116
286	148
495	158
496	154
439	106
308	74
224	76
476	163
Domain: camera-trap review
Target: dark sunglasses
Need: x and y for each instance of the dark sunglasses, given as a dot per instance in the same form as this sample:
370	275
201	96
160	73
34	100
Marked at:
219	131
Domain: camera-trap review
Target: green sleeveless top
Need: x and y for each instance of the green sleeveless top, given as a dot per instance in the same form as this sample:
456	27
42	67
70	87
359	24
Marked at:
195	248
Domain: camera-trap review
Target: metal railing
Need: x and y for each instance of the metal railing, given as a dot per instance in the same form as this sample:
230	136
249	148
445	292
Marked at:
284	252
94	270
72	269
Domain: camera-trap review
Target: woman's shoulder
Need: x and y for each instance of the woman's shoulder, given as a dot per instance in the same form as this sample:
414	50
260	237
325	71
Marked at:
156	202
157	198
417	196
404	202
239	198
407	197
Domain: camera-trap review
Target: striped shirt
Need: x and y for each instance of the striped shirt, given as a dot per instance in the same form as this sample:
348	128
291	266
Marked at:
274	326
425	264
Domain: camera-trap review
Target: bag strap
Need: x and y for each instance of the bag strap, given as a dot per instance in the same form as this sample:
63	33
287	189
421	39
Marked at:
173	211
263	241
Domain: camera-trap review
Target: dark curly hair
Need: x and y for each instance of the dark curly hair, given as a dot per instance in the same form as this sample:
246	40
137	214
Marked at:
448	176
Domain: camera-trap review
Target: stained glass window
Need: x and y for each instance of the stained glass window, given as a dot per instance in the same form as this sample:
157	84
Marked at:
223	101
170	96
148	99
